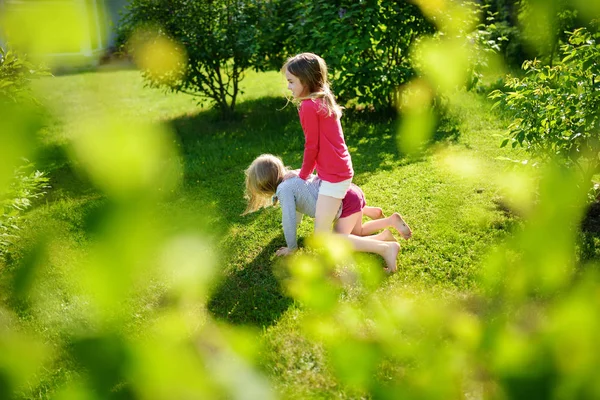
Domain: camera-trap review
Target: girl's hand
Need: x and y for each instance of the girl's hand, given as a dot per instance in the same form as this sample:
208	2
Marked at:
291	174
284	251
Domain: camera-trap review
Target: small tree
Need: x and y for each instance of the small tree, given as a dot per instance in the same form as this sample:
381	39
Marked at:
218	37
555	108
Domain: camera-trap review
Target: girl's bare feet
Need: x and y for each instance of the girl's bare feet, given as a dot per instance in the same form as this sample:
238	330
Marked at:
389	255
401	226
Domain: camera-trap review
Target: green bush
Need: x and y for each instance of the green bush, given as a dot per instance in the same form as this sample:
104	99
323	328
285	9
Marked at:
555	108
366	44
218	38
506	25
544	27
488	40
478	33
533	28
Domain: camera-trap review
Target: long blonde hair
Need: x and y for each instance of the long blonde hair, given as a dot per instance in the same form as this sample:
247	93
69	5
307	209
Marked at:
262	178
311	70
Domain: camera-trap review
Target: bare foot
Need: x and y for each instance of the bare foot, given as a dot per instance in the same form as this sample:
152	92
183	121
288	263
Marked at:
386	235
390	254
401	226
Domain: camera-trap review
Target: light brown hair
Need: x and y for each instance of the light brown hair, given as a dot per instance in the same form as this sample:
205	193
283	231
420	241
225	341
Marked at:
311	70
262	178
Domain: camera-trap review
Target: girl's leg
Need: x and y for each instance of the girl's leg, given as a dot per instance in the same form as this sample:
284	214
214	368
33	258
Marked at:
395	220
388	250
384	235
373	212
353	224
349	224
327	208
383	243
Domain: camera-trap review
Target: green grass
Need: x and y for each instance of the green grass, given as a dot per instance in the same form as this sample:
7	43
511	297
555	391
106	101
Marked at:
455	216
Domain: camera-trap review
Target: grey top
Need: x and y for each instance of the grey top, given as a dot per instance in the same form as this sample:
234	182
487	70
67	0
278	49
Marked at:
297	197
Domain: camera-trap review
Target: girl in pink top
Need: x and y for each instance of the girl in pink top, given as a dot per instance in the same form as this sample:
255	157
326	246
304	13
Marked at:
324	146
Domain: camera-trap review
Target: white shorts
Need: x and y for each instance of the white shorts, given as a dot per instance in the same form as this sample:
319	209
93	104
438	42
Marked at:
337	190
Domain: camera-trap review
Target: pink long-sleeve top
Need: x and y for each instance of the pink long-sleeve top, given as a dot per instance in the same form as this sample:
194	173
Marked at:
324	145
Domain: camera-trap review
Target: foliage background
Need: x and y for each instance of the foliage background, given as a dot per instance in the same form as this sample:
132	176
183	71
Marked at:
366	44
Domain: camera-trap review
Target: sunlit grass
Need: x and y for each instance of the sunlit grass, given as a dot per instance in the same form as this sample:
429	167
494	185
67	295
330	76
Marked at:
124	92
449	203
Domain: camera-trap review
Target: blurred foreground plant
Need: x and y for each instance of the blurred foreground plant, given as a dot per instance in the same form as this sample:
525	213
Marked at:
123	315
25	187
119	342
461	52
529	328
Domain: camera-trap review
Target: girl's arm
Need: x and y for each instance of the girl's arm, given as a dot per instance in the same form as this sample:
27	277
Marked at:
286	251
299	216
309	120
288	217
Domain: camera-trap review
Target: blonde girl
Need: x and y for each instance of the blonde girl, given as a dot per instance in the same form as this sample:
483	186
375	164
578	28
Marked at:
265	186
324	146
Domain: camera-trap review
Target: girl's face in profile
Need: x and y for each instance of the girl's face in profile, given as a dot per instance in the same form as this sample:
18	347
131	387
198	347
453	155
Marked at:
294	84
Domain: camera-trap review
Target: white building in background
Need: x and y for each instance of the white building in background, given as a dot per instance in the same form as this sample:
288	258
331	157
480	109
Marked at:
100	17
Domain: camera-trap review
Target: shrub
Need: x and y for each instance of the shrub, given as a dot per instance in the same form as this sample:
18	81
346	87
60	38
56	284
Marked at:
366	44
544	27
506	25
555	108
533	28
480	36
218	38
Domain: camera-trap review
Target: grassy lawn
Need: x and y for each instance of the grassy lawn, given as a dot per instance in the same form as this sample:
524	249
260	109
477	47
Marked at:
449	196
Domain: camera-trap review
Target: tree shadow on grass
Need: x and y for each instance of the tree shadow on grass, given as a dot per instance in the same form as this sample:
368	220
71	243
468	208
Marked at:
252	295
65	180
590	234
216	152
106	64
373	139
589	237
